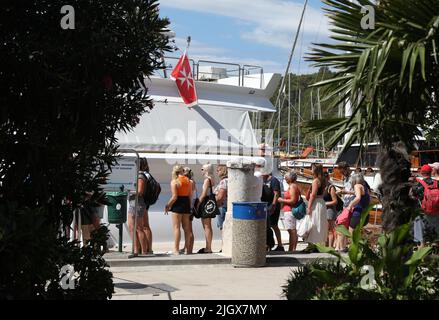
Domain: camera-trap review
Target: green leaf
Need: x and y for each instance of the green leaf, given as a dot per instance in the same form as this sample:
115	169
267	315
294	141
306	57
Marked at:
401	233
342	229
413	59
323	275
422	59
382	240
434	51
418	255
330	250
353	252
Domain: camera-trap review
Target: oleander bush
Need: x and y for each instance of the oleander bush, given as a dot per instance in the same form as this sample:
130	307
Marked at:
63	95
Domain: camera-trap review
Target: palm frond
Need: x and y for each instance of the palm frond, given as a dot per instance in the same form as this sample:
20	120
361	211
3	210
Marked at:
389	75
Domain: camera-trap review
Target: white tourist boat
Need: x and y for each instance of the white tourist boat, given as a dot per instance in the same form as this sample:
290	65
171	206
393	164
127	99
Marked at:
222	126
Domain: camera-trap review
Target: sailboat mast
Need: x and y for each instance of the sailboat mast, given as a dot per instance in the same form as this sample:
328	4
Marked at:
278	116
286	72
299	123
289	113
319	110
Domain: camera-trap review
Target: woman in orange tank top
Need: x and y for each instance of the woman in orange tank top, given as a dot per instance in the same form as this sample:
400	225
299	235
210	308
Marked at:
180	206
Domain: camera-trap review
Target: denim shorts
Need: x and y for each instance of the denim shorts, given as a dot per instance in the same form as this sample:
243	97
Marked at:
221	217
141	207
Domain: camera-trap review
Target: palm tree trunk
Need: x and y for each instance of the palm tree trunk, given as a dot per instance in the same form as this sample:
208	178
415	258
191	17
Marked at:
398	206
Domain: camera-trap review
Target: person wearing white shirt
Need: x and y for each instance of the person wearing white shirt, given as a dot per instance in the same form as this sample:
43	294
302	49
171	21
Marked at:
434	170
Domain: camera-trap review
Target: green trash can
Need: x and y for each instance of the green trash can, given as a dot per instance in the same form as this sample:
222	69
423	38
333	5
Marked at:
117	208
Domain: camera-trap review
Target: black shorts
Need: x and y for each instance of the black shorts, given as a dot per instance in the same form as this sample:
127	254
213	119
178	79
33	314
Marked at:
181	205
274	218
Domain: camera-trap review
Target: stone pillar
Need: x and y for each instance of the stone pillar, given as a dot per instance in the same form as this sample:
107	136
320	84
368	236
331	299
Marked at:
242	186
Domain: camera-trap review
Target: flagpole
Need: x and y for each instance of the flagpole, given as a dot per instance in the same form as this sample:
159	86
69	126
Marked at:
188	43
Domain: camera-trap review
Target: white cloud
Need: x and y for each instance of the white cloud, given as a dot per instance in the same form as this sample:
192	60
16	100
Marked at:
198	47
200	51
273	22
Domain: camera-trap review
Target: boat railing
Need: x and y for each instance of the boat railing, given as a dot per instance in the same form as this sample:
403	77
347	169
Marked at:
209	70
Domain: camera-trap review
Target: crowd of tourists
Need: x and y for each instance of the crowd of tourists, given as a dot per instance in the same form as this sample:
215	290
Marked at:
426	192
185	204
324	204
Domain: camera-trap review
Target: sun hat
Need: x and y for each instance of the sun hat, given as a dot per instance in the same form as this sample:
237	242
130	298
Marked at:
434	165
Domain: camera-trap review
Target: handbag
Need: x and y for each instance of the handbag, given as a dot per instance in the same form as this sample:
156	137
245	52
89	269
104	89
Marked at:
344	218
196	206
304	227
299	210
195	209
209	208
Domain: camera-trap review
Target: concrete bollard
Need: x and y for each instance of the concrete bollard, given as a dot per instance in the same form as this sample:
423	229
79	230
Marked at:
249	234
242	186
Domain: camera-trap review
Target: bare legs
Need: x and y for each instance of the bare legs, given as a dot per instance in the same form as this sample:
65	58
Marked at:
139	233
340	242
278	236
176	223
180	219
208	232
147	232
293	240
188	234
86	229
331	237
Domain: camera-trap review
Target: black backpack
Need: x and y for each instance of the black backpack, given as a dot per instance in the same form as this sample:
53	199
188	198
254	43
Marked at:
339	205
267	193
152	190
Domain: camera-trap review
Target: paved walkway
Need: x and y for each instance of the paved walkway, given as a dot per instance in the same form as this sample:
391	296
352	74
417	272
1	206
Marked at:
166	258
199	282
163	276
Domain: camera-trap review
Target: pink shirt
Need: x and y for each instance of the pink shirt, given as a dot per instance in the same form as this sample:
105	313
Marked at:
287	207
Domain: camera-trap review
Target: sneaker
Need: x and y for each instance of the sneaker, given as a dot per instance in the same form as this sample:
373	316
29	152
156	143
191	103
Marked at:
279	248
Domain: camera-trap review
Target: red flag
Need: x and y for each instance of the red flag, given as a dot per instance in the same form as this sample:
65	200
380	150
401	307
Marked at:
182	75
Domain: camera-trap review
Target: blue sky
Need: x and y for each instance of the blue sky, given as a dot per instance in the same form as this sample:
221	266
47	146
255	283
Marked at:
258	32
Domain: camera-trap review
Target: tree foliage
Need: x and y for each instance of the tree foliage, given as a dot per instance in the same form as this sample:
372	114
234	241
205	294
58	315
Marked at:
389	74
63	95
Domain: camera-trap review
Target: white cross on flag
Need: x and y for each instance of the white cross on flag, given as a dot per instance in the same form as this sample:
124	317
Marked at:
182	75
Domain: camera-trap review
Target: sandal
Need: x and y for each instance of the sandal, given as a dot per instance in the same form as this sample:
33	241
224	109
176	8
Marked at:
203	250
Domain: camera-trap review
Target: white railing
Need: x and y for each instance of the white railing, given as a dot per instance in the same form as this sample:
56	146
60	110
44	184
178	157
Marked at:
228	70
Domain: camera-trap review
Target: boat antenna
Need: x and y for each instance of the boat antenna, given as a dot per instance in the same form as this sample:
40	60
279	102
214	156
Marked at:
287	69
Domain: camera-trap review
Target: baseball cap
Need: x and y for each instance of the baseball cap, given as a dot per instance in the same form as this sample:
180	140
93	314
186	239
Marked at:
426	168
434	165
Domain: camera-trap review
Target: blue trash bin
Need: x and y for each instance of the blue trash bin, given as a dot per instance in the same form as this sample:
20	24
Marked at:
249	234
